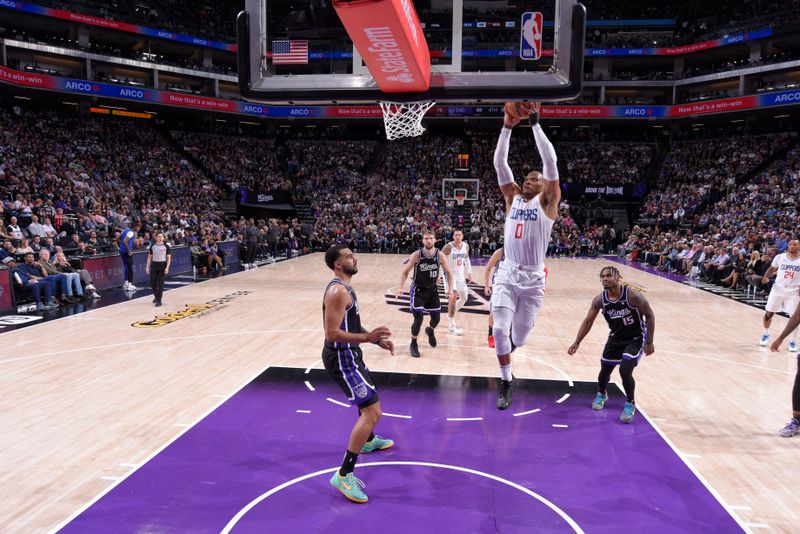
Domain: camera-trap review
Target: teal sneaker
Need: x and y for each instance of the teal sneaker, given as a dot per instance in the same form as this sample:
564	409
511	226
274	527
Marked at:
350	486
627	412
599	401
377	444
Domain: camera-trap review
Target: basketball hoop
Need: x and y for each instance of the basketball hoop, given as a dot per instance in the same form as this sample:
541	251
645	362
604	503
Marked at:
460	199
404	119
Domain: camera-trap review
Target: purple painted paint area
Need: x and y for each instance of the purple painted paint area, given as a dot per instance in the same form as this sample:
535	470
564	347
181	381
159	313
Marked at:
646	268
605	475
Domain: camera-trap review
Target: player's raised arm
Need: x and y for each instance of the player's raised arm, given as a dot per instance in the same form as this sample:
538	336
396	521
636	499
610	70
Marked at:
551	189
587	323
640	303
412	261
505	178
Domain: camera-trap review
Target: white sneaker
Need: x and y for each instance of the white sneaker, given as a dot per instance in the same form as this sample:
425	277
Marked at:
455	331
764	340
793	346
132	287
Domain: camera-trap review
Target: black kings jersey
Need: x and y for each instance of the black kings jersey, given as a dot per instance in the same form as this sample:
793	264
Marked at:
351	321
623	319
426	271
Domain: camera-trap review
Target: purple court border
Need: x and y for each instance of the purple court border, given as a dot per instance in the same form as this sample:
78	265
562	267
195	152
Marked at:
603	474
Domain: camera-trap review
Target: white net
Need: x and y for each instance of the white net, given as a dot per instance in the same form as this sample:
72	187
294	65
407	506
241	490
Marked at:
404	119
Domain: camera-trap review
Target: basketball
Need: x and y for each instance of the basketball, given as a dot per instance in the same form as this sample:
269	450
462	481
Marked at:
519	110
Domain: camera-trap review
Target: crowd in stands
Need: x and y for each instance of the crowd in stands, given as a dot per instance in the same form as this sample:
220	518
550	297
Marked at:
69	185
740	227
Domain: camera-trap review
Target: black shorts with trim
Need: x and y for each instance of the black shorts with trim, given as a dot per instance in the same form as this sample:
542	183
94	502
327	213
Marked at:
425	299
617	350
346	367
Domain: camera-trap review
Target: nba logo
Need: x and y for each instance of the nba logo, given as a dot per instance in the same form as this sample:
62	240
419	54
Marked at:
530	45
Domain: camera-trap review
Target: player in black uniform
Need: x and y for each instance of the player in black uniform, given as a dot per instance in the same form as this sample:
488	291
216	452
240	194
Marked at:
793	426
424	295
344	362
633	327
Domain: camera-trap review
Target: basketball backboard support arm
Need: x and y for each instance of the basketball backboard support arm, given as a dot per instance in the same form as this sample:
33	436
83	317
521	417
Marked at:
563	81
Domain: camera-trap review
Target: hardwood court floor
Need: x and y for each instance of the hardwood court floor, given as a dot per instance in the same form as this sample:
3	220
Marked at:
88	398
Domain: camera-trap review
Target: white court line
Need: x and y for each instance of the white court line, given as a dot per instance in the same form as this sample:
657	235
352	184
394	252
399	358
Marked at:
696	473
309	386
560	426
741	507
562	399
110	478
465	418
337	402
309	411
756	525
387	414
155	453
528	412
159	340
252	504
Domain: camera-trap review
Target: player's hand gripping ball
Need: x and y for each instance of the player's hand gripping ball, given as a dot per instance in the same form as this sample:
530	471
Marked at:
520	110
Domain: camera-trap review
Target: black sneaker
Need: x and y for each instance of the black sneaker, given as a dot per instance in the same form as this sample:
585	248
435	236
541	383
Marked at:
431	336
414	349
158	303
155	300
504	394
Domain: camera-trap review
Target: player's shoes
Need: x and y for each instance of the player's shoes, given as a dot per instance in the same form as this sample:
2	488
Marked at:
504	394
377	444
627	412
790	429
599	401
431	336
793	346
455	331
491	342
414	349
764	340
350	486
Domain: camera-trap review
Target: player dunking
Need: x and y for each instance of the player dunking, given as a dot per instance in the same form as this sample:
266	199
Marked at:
784	293
793	426
424	295
633	325
519	283
345	363
457	254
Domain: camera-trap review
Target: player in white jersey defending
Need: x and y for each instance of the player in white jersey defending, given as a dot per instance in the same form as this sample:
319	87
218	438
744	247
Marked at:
785	292
518	287
457	254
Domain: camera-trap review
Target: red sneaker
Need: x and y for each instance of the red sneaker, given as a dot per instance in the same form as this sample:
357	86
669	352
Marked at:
491	342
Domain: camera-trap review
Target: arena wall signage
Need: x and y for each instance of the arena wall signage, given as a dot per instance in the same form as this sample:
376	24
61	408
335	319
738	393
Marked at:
115	25
574	191
74	86
318	55
264	198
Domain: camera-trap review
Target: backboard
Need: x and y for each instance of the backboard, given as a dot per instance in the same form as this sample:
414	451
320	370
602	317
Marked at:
298	52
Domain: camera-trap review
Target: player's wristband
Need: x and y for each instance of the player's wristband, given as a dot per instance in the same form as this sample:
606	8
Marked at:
533	119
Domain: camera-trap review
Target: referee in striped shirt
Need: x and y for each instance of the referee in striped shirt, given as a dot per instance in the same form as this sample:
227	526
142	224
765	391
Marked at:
158	260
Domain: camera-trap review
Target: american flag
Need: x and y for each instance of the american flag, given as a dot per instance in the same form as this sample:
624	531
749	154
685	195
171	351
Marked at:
289	52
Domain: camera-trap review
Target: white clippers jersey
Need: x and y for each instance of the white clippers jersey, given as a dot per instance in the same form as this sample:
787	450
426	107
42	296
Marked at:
527	232
788	277
458	259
